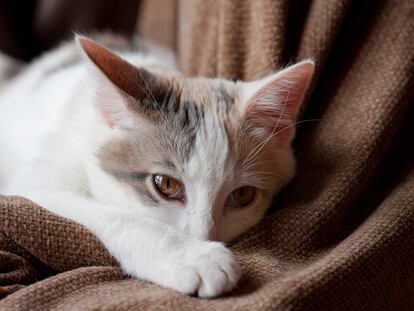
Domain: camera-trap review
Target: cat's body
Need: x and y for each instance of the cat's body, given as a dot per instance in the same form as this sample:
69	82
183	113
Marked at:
99	141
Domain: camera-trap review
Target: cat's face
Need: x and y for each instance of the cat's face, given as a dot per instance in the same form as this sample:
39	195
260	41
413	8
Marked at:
203	155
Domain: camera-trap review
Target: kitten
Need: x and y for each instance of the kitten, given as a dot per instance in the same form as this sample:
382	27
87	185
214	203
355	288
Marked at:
163	168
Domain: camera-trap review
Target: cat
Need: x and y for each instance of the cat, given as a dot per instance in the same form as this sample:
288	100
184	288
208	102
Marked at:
164	169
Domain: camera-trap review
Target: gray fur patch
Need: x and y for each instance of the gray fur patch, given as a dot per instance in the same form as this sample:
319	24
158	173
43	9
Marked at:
177	119
224	97
177	111
138	181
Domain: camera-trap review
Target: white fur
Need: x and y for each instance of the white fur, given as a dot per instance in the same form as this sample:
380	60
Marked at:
49	131
51	128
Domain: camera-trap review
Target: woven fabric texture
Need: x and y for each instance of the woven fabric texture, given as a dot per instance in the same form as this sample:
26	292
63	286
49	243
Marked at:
339	237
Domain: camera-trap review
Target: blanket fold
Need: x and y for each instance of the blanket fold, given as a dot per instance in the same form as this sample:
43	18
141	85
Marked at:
339	237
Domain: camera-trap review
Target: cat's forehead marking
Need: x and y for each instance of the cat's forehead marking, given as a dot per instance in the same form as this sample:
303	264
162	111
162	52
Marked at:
224	97
204	91
190	119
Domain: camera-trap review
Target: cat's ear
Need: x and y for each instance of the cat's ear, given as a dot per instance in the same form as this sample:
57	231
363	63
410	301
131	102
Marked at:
122	88
272	103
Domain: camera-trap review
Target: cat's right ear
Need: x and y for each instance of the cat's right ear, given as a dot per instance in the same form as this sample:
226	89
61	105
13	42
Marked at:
272	103
121	88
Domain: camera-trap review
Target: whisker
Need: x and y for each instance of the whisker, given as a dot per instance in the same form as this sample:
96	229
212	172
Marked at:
148	93
261	146
269	173
278	132
296	123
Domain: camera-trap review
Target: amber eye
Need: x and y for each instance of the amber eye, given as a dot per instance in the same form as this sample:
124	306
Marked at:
241	197
169	187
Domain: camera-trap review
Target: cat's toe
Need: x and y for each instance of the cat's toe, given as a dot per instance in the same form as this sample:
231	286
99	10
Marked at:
218	270
207	269
186	281
214	281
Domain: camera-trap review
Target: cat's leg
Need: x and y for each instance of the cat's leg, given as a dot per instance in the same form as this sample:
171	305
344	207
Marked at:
151	250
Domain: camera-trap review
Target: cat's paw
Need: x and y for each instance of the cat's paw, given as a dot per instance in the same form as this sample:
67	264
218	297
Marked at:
206	269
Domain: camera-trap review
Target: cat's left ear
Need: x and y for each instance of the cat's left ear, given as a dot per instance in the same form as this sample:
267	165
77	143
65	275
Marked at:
122	88
273	103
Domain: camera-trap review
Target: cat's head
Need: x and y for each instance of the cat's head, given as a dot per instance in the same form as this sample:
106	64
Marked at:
203	155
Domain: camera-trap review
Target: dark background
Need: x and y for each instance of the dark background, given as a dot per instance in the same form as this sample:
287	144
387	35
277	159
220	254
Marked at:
29	27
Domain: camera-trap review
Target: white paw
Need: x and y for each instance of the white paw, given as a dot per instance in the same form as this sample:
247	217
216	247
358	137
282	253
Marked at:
204	268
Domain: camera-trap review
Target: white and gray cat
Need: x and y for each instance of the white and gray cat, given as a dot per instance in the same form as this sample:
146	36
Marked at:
163	168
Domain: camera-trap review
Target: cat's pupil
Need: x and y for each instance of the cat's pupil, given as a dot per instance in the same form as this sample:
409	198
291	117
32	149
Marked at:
243	196
168	187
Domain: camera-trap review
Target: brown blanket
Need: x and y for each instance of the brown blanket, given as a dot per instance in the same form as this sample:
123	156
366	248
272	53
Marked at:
340	237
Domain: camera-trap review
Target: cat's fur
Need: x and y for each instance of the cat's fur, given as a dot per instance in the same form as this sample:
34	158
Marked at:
82	134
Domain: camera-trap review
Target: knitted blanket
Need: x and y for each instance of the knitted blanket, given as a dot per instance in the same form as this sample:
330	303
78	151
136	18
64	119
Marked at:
339	237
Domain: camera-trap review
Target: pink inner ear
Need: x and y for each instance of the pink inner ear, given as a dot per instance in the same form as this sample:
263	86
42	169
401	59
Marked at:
123	87
275	104
108	118
121	73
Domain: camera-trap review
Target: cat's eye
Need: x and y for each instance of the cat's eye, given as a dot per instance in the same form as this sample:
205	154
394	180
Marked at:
241	197
169	187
